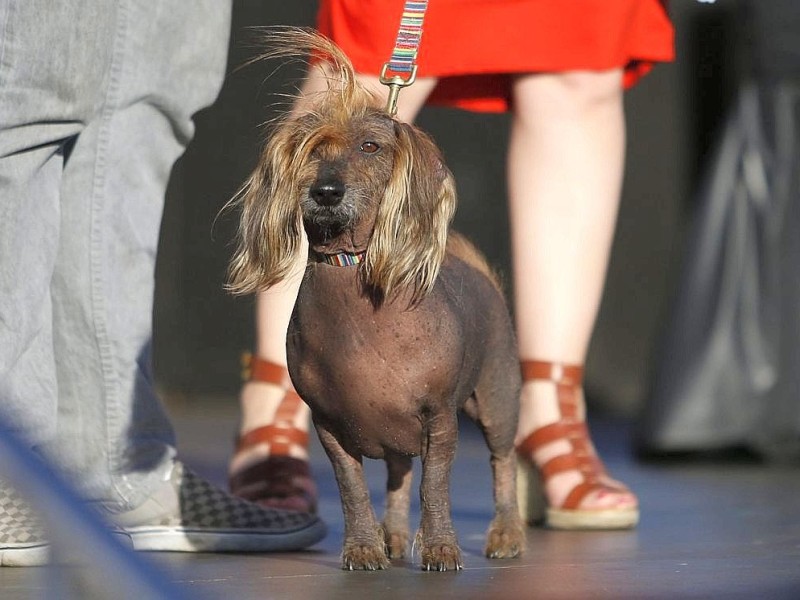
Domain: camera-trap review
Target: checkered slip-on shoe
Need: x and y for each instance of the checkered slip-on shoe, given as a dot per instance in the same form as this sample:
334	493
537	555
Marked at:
206	519
22	541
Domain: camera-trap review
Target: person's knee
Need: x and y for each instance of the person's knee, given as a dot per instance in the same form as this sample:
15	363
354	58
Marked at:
568	93
590	88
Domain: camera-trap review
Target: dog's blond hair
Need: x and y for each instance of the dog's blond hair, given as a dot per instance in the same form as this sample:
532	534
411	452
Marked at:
408	244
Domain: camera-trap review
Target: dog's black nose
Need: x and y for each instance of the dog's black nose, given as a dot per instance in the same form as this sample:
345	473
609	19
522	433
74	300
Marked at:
327	193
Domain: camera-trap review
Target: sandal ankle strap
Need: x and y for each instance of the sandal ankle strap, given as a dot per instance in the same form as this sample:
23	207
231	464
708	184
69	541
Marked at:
259	369
280	437
281	433
570	429
559	372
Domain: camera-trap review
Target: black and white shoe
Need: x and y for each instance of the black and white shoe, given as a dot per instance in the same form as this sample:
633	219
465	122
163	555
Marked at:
22	539
189	514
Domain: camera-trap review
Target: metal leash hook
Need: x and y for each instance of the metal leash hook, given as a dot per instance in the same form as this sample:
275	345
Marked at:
395	83
404	54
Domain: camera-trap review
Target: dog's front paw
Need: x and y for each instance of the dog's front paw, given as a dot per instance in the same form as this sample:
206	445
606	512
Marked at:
505	539
441	557
368	557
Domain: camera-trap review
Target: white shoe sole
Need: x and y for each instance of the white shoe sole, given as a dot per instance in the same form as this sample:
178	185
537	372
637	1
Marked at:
180	539
25	556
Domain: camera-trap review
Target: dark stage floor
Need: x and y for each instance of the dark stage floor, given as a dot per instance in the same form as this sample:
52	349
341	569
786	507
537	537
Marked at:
709	530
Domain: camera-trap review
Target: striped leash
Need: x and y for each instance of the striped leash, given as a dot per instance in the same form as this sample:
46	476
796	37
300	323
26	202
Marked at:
401	70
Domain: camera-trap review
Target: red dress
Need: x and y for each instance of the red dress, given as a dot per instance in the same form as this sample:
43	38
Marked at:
474	45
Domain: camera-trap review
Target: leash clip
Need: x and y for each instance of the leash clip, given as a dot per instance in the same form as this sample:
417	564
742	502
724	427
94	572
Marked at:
395	84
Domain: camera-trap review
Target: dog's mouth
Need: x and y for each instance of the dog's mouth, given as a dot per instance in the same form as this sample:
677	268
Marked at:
323	231
324	223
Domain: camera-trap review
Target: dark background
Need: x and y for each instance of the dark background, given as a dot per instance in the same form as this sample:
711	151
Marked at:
672	119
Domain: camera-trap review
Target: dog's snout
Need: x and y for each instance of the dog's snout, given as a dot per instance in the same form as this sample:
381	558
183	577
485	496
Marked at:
328	192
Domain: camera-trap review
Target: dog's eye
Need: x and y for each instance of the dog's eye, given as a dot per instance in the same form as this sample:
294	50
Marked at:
370	147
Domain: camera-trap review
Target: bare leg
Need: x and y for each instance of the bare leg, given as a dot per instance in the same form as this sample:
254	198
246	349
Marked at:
564	171
259	401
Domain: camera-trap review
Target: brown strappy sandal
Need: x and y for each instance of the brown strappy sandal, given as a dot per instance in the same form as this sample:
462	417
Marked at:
278	480
571	427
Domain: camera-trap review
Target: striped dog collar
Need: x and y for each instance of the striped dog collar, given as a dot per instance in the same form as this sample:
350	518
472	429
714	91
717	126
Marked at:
344	259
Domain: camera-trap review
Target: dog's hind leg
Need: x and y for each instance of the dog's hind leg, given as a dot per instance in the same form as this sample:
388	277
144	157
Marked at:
363	540
506	535
436	539
398	500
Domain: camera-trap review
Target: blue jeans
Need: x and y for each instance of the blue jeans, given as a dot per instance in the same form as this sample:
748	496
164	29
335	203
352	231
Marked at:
96	104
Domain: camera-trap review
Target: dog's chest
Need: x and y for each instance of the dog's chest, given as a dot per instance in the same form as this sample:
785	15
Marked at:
373	375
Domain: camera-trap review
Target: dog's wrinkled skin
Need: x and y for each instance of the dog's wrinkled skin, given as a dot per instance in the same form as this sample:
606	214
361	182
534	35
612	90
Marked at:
386	352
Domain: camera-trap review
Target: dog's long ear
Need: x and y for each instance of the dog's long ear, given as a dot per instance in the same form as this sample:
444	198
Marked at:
270	229
408	244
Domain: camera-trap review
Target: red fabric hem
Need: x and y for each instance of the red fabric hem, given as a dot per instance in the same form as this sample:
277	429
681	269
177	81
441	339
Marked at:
474	46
